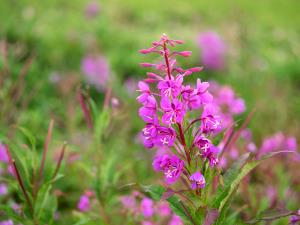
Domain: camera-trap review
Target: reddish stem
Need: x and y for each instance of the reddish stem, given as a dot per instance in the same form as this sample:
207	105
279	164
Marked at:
182	138
61	156
19	179
167	61
85	110
237	134
46	146
194	121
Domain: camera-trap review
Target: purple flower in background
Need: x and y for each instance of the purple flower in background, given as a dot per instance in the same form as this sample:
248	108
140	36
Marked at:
96	70
171	166
147	207
226	98
295	219
84	204
175	220
17	208
3	154
7	222
291	144
197	180
130	85
226	104
163	209
272	194
213	50
128	202
92	9
3	189
145	222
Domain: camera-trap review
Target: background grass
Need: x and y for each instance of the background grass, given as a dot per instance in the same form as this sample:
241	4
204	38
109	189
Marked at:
262	64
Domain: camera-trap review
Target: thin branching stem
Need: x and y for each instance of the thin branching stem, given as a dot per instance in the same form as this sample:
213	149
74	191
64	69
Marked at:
46	146
58	165
12	163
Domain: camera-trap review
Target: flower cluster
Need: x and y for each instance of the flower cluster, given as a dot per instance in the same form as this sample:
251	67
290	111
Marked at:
277	142
226	103
148	212
171	109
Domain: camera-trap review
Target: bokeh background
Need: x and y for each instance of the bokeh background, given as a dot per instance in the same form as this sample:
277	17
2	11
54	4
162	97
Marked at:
51	40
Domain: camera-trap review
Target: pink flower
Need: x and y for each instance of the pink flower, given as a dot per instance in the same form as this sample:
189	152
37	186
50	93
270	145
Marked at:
92	9
291	144
148	111
131	86
3	189
145	92
147	207
84	204
197	180
175	220
173	111
7	222
128	202
213	50
3	154
96	70
163	209
170	88
171	166
200	95
145	222
210	122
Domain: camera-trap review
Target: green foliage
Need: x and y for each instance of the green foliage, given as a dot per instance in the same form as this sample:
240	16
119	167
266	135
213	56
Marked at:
232	179
39	203
177	206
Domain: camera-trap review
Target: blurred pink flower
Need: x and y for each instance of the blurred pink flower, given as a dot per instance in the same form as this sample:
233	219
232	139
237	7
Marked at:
213	50
128	202
147	207
163	209
131	86
271	194
84	204
92	9
3	154
96	71
7	222
291	144
147	223
175	220
3	189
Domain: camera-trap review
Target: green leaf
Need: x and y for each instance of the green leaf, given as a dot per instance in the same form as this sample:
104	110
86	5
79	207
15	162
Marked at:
232	180
29	136
156	193
101	123
271	215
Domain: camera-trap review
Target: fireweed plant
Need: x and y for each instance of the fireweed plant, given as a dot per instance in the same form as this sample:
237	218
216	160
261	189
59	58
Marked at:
183	118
